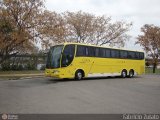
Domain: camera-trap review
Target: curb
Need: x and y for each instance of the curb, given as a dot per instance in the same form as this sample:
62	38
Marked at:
30	77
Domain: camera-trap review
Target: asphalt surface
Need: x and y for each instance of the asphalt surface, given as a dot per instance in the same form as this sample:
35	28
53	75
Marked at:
98	95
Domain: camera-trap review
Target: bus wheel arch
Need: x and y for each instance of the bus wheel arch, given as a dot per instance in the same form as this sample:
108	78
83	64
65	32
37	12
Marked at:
79	74
124	73
131	73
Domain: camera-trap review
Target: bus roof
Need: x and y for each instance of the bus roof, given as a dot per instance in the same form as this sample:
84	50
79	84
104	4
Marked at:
66	43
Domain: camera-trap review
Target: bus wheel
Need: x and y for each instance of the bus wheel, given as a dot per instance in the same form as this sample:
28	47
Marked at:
123	73
78	75
131	73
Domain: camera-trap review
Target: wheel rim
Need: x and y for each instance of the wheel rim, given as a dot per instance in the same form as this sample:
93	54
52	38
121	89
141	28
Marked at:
131	74
79	75
124	74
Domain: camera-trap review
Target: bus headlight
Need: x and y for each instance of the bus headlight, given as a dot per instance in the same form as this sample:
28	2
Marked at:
55	71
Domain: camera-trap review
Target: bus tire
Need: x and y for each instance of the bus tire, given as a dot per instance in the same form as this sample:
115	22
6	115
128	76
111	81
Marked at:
124	73
131	73
78	75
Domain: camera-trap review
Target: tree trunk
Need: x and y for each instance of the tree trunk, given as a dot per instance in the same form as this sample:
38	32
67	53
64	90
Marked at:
154	67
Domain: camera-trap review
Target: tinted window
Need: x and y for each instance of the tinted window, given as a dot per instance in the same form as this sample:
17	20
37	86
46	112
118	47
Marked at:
131	55
141	56
68	55
107	53
90	51
81	50
85	51
97	52
102	52
123	54
115	53
137	56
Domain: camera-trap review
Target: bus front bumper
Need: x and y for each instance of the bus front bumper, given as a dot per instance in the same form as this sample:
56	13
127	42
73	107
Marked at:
53	73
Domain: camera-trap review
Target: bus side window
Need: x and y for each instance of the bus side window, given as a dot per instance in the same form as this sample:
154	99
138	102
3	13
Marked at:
102	52
97	52
90	51
141	56
81	50
115	53
123	54
137	56
131	55
108	53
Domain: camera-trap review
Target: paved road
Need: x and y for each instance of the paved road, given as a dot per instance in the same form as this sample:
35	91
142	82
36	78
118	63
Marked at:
108	95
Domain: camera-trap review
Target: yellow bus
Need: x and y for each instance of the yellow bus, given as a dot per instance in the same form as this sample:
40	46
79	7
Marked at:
75	60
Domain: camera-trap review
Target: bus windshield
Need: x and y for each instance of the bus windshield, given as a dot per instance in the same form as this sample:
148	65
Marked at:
54	55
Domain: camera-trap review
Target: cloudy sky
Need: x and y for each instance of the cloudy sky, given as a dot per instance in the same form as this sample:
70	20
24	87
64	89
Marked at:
139	12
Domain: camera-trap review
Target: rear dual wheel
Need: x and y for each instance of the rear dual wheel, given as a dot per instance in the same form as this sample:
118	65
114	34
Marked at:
131	73
124	73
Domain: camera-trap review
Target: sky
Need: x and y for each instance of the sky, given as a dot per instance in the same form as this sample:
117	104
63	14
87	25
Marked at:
139	12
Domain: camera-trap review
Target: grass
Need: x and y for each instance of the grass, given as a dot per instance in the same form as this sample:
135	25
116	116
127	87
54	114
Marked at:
9	77
14	75
150	71
22	72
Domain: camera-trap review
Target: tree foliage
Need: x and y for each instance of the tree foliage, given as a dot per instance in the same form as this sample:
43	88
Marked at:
150	41
52	29
24	23
18	24
99	30
81	27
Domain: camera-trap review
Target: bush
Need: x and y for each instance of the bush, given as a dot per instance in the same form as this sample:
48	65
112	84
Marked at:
147	64
30	66
5	67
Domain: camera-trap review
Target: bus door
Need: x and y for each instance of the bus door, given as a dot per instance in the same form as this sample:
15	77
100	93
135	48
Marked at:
67	58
